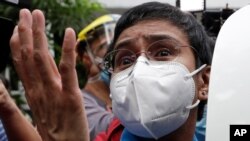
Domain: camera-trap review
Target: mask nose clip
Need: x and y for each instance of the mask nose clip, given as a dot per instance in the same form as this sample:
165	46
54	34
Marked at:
142	59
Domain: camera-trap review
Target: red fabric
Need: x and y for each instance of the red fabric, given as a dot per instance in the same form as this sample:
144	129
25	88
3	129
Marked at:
113	132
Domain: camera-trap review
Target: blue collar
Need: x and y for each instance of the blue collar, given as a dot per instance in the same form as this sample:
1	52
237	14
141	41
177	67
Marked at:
127	136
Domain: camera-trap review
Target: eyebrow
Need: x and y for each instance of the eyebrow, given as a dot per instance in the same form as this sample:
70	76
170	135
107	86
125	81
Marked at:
125	42
148	38
159	36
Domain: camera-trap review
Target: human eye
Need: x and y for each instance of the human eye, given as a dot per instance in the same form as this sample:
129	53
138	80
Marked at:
162	50
124	59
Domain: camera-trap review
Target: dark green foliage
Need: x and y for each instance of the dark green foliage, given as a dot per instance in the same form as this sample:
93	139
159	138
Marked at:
68	13
59	14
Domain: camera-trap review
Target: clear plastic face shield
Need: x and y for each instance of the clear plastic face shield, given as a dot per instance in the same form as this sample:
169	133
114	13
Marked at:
98	41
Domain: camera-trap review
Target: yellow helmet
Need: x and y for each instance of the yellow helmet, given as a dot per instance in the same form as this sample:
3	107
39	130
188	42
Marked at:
105	19
101	30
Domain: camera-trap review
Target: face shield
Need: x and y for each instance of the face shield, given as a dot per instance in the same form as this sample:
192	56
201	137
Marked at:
97	42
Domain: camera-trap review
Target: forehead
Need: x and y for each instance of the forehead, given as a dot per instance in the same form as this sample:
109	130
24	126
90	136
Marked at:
153	28
140	35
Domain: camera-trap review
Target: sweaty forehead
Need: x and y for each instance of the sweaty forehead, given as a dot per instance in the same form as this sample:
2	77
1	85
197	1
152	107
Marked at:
148	29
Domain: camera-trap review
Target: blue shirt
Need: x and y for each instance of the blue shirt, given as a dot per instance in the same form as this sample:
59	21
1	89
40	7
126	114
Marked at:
3	136
200	130
127	136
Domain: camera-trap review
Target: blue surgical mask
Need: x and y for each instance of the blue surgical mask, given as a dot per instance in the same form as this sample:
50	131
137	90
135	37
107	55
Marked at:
105	77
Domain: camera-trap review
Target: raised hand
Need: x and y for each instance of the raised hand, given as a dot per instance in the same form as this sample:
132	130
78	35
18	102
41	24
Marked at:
7	105
53	95
17	127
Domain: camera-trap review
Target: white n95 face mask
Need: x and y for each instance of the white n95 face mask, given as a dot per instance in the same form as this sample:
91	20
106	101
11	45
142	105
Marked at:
153	98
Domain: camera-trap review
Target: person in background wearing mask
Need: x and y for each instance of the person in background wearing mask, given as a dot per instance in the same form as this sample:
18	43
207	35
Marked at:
16	126
160	61
93	42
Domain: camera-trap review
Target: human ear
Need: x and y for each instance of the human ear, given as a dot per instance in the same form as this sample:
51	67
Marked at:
203	80
86	60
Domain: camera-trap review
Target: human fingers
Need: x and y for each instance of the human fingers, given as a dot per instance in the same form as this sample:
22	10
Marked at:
43	60
4	97
16	53
26	47
67	63
1	86
15	45
2	89
25	33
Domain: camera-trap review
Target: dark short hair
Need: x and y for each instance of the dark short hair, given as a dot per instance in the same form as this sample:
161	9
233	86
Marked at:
196	34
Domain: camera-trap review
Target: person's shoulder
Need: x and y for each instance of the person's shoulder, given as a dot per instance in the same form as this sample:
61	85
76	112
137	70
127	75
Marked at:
88	96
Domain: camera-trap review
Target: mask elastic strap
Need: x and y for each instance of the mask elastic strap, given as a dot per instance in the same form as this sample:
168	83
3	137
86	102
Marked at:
94	78
194	105
98	59
196	71
107	34
89	52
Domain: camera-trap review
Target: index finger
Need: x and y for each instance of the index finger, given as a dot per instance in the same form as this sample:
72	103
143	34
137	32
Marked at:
67	63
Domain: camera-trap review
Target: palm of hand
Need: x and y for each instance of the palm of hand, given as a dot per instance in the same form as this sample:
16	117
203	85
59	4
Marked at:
54	97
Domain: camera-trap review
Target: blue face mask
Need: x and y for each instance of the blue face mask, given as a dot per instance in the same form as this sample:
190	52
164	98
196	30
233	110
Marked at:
105	77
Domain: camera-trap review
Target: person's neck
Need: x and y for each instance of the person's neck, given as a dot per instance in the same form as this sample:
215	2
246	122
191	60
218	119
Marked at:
100	90
94	74
94	78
